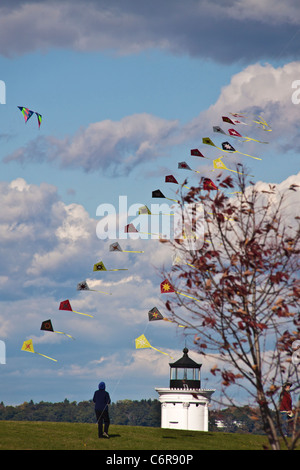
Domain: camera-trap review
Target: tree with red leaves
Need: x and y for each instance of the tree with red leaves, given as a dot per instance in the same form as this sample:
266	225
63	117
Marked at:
246	276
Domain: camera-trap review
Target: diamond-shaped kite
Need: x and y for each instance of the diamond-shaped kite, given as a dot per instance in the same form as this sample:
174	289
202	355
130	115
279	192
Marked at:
167	288
28	346
141	343
157	193
154	314
116	247
47	326
172	179
185	166
84	286
219	165
65	305
101	267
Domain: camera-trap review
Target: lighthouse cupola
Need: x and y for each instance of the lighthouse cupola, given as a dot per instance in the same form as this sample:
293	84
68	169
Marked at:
185	373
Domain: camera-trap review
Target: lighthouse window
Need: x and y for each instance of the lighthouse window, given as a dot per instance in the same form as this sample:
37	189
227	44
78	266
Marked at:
187	374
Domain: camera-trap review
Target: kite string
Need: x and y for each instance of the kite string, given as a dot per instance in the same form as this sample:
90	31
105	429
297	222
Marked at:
121	376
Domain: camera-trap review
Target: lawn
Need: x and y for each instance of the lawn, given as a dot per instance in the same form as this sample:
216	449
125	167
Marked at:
42	435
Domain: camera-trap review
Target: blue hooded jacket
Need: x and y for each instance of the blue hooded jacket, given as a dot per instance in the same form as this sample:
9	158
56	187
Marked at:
101	397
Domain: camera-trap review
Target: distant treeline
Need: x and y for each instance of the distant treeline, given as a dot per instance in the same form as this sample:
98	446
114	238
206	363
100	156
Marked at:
128	412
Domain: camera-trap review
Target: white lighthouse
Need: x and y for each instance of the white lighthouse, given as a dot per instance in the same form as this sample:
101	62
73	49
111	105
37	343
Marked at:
184	405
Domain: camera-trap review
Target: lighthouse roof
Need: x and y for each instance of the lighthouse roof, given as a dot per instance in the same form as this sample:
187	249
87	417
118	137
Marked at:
185	361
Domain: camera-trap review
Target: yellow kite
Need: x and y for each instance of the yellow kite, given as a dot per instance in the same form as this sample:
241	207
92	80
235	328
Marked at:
219	165
28	346
100	267
141	342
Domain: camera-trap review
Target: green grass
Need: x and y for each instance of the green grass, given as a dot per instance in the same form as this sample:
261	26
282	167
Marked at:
42	435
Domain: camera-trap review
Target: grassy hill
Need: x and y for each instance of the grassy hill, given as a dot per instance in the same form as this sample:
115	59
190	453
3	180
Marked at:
42	435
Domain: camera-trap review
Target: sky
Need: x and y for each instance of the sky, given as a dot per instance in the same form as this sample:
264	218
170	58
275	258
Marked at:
125	90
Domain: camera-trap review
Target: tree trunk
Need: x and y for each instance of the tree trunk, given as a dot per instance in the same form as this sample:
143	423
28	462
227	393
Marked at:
268	423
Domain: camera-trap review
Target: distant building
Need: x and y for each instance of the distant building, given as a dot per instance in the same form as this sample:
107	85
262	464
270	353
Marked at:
220	424
184	405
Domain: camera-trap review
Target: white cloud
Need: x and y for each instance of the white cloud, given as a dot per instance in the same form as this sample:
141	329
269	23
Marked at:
257	90
115	147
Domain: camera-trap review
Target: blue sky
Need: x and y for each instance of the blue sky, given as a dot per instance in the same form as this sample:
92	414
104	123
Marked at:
125	92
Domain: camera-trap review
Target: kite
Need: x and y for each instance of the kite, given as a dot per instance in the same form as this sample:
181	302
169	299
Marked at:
233	121
234	133
172	179
154	314
166	287
141	342
197	153
261	121
47	326
226	147
65	305
208	184
144	210
219	165
185	166
130	228
116	247
219	130
84	286
100	267
39	118
177	261
158	193
28	346
27	113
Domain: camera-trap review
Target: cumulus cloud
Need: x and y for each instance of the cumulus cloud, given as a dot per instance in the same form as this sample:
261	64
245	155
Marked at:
115	147
223	31
257	90
40	235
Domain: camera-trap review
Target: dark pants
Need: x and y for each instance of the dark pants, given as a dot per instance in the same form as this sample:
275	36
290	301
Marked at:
102	417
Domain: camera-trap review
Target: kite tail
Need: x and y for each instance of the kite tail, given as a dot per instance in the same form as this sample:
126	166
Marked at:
100	292
62	333
121	269
255	158
181	326
194	298
162	352
80	313
176	200
51	358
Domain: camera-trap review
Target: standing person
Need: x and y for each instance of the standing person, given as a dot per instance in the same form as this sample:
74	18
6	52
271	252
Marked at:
102	400
285	408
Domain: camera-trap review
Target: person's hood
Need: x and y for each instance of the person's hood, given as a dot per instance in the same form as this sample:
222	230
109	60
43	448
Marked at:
101	386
